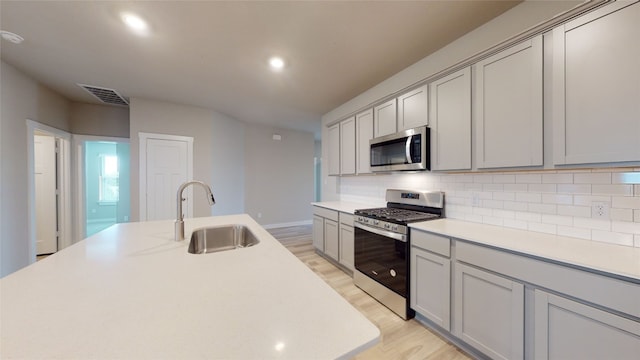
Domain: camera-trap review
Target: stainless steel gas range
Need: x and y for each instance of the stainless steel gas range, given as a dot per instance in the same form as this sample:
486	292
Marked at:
382	245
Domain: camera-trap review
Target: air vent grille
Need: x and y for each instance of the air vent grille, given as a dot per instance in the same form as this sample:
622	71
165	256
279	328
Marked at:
107	96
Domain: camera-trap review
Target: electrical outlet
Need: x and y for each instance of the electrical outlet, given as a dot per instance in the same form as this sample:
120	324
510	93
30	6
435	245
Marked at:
600	210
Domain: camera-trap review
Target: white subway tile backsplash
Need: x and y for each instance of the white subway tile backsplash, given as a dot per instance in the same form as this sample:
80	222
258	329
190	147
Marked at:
509	196
529	178
572	210
515	187
625	202
557	199
543	208
543	228
626	190
516	224
574	189
625	178
560	178
515	206
574	232
557	219
588	223
543	188
529	197
612	237
626	227
592	178
504	179
621	214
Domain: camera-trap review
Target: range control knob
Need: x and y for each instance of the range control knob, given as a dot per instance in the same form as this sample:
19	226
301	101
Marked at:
376	222
386	226
395	227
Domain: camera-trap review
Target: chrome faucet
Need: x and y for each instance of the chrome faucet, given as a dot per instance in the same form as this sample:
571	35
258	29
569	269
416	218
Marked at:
179	224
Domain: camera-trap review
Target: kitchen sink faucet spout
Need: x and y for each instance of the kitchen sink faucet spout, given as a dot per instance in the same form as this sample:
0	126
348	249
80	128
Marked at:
179	223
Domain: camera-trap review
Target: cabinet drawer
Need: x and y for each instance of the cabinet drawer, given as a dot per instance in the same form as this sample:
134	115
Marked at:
325	213
346	219
582	284
431	242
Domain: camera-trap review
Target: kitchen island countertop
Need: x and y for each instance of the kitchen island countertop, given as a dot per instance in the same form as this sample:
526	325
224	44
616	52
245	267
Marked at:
130	291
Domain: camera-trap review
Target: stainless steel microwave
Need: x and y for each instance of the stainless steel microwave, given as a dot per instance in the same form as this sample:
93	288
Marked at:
405	150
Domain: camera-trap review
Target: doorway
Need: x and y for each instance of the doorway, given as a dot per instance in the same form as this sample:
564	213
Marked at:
49	189
102	181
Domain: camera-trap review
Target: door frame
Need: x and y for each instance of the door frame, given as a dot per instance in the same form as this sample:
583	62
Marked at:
143	138
78	180
65	236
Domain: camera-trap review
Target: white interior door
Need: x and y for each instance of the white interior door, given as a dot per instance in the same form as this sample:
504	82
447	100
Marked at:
45	195
166	163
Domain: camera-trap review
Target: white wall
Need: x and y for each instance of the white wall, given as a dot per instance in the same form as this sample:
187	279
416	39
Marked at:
99	120
227	170
279	175
21	98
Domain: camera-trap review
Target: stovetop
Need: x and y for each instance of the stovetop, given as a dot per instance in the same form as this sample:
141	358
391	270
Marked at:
401	216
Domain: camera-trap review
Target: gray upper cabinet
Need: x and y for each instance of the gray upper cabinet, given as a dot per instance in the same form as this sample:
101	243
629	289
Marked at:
596	87
508	107
413	108
334	149
364	133
348	146
384	118
450	115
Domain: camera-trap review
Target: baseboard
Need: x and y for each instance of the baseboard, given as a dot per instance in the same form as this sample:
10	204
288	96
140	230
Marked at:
281	225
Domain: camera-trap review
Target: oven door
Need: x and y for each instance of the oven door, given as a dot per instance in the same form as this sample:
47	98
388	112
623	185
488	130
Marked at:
382	256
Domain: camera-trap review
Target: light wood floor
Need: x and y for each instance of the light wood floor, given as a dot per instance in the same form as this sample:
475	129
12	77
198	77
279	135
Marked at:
400	339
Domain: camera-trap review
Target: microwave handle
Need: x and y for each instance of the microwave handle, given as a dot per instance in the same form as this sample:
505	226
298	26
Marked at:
407	149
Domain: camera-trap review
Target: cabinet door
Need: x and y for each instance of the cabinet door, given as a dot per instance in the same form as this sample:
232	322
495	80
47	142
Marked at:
318	232
566	329
596	87
413	109
331	239
384	119
346	246
364	133
348	146
508	107
451	121
334	150
431	286
489	312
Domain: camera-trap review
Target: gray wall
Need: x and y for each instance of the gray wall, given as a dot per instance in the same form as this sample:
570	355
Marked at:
22	98
279	175
150	116
227	168
99	120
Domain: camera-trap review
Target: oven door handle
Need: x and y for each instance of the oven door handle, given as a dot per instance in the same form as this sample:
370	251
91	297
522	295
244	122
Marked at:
389	234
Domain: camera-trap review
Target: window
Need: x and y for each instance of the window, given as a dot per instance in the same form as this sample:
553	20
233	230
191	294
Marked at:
109	179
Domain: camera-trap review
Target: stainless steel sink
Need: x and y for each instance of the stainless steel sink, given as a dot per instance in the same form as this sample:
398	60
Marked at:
221	238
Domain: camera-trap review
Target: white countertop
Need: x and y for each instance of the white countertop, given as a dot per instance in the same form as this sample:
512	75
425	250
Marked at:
609	258
132	292
343	206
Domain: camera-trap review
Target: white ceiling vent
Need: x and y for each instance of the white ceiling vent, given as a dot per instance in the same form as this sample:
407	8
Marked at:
107	96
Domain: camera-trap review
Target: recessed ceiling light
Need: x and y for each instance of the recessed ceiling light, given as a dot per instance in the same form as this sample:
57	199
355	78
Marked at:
276	63
134	22
9	36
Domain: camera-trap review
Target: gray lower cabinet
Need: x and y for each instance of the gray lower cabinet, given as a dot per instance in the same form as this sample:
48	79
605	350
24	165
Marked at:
489	312
318	232
430	291
346	246
567	329
331	239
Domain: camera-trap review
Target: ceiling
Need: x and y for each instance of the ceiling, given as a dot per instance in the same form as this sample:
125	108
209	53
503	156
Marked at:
213	54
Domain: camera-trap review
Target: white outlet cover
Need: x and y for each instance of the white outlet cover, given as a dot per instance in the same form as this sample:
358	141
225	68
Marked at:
600	210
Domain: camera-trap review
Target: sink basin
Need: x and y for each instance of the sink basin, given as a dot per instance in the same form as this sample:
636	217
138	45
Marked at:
221	238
